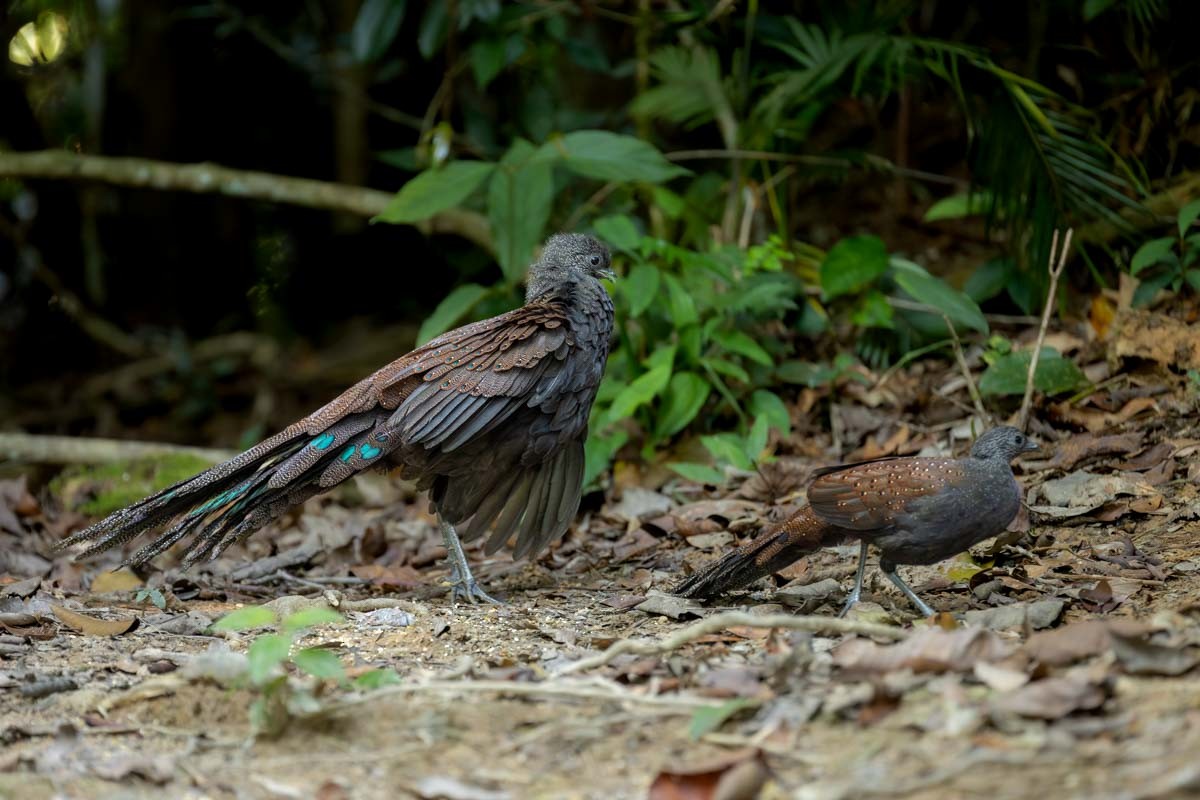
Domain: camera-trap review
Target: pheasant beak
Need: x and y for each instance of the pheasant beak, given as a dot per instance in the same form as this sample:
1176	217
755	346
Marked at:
1030	444
606	273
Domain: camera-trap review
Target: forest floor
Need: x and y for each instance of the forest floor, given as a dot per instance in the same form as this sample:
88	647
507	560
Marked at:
1065	660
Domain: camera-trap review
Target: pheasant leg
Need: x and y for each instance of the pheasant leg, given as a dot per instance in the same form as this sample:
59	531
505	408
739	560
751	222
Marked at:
463	583
894	577
856	592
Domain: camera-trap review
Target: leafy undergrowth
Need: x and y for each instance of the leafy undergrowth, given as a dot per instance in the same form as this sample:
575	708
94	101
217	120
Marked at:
323	660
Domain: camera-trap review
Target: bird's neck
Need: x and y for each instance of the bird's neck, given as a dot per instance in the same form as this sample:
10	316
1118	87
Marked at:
569	292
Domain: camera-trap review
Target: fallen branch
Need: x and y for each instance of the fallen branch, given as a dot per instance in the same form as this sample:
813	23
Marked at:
33	449
729	619
1056	261
206	178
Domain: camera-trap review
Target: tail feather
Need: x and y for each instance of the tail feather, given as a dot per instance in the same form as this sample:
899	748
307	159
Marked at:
799	535
228	502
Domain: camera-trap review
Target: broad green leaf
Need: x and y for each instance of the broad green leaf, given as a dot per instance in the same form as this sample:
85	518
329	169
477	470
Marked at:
756	440
852	264
435	190
726	368
245	619
682	306
935	292
707	719
375	28
637	394
768	404
619	231
685	398
1055	374
728	448
1187	215
599	452
1151	286
664	355
640	286
519	198
265	654
700	473
743	345
309	617
1192	277
453	308
1150	253
989	279
668	202
610	156
487	57
320	663
433	29
805	373
873	311
968	204
376	679
1094	8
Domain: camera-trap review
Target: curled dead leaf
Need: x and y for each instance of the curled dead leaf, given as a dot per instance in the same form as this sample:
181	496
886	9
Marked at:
93	626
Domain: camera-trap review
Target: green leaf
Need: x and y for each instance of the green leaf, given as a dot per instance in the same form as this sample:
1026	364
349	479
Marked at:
1187	215
682	306
310	617
685	398
265	654
726	368
245	619
619	231
637	394
1148	288
376	679
728	448
1150	253
700	473
608	156
935	292
487	57
805	373
1094	8
320	663
640	287
1192	277
433	30
852	264
1055	374
743	345
968	204
707	719
375	28
453	308
599	452
873	311
989	279
768	404
519	198
435	190
756	440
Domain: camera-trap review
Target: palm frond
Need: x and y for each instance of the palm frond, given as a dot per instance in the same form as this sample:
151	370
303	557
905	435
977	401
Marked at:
690	91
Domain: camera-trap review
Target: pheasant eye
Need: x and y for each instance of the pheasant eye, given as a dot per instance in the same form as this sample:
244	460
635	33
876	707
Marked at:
595	261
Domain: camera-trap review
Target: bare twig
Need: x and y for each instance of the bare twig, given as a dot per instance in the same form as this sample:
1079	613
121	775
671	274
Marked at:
972	389
586	690
34	449
1057	260
206	178
729	619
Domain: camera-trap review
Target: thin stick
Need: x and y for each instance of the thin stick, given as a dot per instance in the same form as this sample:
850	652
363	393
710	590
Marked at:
586	690
729	619
208	178
1056	262
961	358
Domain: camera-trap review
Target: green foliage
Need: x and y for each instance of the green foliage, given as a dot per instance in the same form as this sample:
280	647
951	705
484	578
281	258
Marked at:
1008	371
1169	261
100	489
155	596
707	719
270	656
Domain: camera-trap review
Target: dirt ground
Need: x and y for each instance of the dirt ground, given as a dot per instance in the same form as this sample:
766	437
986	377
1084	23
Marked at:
1065	659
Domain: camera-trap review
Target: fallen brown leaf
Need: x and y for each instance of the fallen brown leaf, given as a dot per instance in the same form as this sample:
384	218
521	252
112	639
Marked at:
1051	698
929	650
92	626
739	776
1078	641
1094	420
1074	449
121	580
1157	337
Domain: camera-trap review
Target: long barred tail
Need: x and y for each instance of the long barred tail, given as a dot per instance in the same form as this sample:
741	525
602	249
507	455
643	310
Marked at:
230	501
777	547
